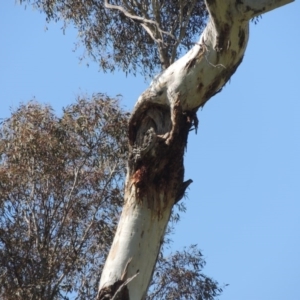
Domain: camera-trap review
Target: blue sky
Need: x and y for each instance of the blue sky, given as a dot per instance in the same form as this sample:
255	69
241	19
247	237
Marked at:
243	209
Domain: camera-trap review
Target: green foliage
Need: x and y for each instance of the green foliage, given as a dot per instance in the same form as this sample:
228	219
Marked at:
116	41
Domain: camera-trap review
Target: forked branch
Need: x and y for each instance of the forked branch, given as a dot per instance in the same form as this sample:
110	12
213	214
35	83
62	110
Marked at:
145	22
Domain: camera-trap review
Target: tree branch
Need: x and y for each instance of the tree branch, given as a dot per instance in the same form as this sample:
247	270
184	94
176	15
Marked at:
159	127
139	19
153	28
253	8
204	70
183	26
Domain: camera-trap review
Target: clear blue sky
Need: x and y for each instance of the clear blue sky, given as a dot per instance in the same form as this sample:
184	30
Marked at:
244	204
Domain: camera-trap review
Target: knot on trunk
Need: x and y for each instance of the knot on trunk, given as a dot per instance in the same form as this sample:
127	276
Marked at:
148	143
117	291
158	140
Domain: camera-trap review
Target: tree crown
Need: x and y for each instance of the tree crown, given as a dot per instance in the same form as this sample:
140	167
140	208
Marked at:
134	36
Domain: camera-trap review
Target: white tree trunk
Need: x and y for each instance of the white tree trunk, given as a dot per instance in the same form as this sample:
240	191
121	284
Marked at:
158	133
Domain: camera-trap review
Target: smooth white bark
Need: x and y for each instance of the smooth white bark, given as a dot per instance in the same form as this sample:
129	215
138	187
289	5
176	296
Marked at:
192	80
136	245
220	48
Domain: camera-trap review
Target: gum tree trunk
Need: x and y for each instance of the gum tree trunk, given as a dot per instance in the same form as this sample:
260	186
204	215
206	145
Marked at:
158	132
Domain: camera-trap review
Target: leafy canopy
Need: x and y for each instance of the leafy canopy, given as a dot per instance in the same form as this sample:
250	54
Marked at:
61	193
144	36
61	183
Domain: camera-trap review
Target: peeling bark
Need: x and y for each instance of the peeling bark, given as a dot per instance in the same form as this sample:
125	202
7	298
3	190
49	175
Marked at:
154	183
158	132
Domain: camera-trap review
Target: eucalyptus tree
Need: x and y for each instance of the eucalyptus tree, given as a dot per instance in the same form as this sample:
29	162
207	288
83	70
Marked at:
61	193
147	36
